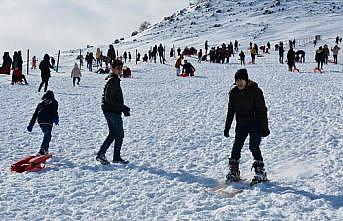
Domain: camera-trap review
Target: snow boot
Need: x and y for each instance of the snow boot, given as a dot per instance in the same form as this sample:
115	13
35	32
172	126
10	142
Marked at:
102	159
234	174
118	159
260	173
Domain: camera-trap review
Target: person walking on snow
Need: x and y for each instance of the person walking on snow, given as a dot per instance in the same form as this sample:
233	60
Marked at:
44	67
76	74
112	107
335	53
246	101
46	114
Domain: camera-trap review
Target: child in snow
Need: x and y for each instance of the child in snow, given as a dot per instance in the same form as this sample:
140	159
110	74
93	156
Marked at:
76	74
246	101
46	114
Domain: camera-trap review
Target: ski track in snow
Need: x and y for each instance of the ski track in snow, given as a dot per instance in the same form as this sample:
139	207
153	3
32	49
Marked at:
174	142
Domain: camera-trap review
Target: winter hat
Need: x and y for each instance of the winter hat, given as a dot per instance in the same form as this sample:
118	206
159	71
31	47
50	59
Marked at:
242	74
116	63
48	95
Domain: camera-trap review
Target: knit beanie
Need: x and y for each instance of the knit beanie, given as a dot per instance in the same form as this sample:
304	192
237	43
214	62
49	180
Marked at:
242	74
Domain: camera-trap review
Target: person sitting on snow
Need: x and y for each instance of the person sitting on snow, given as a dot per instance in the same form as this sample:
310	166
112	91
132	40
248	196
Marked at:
188	69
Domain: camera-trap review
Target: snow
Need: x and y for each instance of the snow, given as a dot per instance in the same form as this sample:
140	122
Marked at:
174	136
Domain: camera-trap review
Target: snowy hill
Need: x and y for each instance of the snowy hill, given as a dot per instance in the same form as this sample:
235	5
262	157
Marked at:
174	136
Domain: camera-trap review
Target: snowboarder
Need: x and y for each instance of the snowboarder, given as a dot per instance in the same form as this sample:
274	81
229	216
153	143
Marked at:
46	114
44	67
76	74
246	101
112	107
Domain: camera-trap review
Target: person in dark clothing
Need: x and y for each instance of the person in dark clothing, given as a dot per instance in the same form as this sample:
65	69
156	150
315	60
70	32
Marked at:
301	55
113	106
17	66
206	47
90	58
103	71
111	54
52	60
281	51
161	53
145	58
44	67
125	56
129	54
46	114
6	64
291	59
236	45
179	52
242	57
246	101
188	68
319	57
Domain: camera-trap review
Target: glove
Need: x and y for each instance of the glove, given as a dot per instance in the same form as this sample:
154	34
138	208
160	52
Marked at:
226	133
265	132
29	128
56	120
126	111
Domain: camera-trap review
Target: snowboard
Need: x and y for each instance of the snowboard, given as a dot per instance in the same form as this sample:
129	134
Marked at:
30	163
232	189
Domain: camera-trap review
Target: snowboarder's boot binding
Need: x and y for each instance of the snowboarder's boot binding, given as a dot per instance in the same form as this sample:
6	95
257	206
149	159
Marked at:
102	159
260	173
234	174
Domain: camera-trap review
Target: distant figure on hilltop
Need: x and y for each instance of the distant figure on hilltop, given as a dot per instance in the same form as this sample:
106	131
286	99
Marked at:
242	57
281	51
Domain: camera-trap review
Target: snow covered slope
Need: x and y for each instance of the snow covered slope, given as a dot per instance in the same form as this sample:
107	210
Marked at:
174	136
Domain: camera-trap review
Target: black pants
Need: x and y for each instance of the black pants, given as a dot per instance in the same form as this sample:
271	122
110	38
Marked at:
78	80
45	81
242	131
115	133
335	59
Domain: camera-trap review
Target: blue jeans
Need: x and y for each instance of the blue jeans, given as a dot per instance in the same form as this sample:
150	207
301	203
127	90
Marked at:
242	131
46	139
116	133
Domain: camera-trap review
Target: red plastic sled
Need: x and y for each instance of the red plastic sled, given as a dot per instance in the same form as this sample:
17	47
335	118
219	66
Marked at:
30	164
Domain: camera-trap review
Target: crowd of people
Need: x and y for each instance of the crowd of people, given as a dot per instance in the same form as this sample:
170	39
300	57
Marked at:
246	101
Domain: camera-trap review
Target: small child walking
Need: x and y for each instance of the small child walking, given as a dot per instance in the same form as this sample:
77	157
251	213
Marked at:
46	114
76	74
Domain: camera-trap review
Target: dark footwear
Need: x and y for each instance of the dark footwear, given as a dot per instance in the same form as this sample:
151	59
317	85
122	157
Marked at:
102	159
234	174
120	160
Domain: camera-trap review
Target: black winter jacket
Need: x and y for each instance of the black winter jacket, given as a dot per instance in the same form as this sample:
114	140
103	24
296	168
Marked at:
44	67
112	98
248	105
45	112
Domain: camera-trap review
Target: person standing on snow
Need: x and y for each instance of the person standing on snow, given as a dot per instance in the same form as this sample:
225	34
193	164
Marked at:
246	101
178	65
112	107
46	114
45	66
291	59
335	53
76	74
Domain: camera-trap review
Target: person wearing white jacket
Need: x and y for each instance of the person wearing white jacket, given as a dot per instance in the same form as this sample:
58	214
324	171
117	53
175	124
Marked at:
76	74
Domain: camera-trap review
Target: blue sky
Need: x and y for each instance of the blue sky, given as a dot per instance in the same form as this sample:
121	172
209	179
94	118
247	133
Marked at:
49	25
